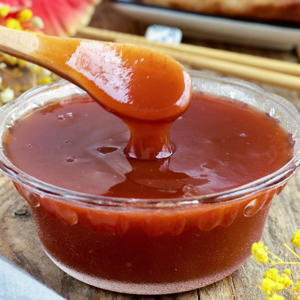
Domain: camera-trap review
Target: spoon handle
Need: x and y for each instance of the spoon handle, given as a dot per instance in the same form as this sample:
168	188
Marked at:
46	51
18	43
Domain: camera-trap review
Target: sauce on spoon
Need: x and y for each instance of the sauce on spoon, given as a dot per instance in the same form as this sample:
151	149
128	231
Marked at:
147	90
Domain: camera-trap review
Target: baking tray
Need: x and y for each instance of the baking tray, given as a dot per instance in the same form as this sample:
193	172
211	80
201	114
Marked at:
274	36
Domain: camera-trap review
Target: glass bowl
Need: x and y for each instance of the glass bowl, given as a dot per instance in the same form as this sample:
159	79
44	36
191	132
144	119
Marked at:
151	246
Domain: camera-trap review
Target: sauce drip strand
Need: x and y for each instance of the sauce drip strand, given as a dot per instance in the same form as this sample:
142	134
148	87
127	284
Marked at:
146	89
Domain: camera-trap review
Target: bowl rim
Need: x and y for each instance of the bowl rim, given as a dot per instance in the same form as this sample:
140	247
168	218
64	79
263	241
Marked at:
272	181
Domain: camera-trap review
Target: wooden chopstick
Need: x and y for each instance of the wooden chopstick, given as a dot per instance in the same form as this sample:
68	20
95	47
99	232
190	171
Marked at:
250	67
245	59
298	51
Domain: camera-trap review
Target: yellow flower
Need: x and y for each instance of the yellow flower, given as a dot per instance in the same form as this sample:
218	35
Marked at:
272	274
268	286
21	18
275	297
22	63
260	252
44	80
275	285
296	239
13	24
4	10
297	285
25	15
287	271
9	59
273	282
283	282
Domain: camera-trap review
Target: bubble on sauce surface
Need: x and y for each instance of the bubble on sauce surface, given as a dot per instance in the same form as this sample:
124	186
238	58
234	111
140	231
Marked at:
70	159
106	150
66	115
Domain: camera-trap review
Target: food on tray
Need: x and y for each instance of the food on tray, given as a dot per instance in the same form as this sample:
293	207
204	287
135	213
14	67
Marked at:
269	10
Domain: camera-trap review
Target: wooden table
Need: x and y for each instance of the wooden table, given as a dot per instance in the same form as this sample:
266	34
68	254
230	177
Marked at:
19	242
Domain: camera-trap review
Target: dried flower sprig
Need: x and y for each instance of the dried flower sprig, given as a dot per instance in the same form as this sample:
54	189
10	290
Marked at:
273	283
20	18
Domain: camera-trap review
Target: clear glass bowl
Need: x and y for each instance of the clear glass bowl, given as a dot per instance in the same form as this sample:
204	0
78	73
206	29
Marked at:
151	246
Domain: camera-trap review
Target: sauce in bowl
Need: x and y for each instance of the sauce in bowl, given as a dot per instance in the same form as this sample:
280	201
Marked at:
150	226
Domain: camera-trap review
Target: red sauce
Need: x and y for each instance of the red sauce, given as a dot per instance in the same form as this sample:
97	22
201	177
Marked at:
219	144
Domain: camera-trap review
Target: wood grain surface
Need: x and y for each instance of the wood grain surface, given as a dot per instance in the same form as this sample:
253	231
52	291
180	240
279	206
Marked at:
19	242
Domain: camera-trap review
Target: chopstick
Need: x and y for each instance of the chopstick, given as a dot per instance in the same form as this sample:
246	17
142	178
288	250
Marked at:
270	71
298	51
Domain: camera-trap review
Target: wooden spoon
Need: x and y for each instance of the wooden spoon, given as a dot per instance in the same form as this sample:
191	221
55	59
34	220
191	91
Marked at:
147	89
130	81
